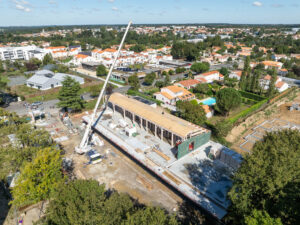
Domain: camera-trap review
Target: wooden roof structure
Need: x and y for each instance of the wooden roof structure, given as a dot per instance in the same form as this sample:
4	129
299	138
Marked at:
180	127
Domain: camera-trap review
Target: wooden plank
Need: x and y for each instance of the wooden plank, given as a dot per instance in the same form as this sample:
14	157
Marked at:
167	158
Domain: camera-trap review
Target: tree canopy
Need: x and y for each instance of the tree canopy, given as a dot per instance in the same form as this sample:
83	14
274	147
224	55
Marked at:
69	95
87	202
191	112
228	99
200	67
101	70
269	179
134	82
38	179
149	79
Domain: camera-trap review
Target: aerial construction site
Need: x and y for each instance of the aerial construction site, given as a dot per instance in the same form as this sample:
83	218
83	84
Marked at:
178	152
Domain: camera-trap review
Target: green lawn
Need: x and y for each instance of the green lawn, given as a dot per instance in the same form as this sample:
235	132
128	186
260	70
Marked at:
217	117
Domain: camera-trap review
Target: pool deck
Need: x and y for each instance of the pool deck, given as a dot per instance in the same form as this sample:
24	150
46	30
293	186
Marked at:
196	176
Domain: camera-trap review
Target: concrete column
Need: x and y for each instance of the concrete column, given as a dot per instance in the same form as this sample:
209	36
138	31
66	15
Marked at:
155	130
172	139
161	133
114	107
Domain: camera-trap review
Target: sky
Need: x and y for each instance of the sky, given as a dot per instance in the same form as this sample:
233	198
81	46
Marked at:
78	12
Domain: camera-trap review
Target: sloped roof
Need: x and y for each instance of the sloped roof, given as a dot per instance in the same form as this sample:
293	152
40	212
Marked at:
167	121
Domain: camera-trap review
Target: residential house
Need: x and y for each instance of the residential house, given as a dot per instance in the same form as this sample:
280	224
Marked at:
209	77
46	79
279	84
236	74
187	84
80	58
171	94
272	64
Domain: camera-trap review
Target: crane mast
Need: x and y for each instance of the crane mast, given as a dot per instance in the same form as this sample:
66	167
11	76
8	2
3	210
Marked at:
84	141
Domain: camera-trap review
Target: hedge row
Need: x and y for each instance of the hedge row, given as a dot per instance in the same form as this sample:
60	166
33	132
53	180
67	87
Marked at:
248	101
252	96
247	111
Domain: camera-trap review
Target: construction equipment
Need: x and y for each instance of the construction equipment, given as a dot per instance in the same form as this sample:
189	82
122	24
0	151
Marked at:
83	147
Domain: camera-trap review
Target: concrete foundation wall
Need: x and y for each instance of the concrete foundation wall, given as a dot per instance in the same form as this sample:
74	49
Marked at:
199	140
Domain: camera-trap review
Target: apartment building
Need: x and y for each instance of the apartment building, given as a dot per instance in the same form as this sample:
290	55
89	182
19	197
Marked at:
20	53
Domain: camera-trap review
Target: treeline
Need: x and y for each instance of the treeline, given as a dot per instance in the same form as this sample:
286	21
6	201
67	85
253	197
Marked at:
191	51
100	39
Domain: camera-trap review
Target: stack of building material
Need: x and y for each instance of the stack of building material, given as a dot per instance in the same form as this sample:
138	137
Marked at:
230	158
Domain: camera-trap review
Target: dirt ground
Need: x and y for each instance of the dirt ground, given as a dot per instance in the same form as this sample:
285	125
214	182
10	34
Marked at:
119	172
279	110
116	170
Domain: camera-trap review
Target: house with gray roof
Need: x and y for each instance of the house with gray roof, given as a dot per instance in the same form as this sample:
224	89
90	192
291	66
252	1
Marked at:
46	79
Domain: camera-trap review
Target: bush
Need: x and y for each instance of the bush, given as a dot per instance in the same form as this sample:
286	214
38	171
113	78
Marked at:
194	102
252	96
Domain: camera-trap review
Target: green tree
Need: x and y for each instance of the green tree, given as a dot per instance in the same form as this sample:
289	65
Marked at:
222	128
69	95
245	74
1	67
261	218
134	82
47	59
224	71
149	79
145	217
38	179
190	112
202	88
167	80
101	70
138	48
87	202
200	67
271	89
159	84
228	99
269	178
77	202
171	72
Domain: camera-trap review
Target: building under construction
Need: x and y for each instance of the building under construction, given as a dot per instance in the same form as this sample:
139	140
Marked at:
171	129
179	152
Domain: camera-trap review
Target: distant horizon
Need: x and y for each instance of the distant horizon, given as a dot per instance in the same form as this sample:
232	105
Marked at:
159	24
110	12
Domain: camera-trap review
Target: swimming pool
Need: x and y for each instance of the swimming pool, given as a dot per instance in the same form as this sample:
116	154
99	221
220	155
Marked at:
209	101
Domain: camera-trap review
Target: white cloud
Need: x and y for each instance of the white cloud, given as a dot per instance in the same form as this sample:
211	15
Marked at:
22	8
111	0
22	5
114	8
257	4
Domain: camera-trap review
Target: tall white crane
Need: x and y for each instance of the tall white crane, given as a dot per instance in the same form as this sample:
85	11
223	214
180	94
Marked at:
84	142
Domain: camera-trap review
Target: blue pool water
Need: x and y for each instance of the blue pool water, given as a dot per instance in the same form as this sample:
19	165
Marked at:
209	101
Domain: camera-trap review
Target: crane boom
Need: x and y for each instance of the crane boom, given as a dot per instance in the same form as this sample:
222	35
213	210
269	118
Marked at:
84	140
